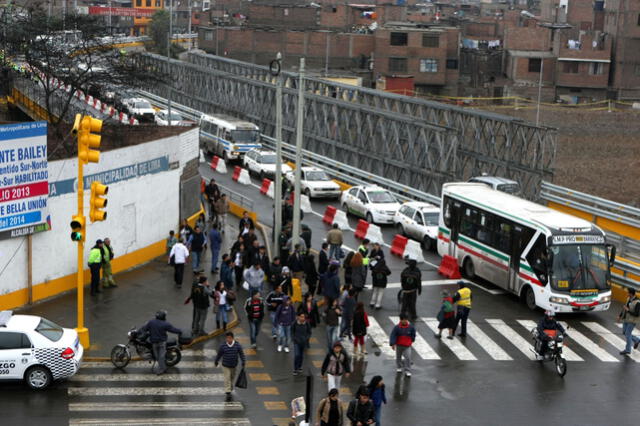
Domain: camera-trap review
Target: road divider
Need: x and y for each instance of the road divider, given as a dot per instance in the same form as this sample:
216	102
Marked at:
241	176
398	245
341	219
266	187
218	165
370	231
329	215
361	229
413	250
449	267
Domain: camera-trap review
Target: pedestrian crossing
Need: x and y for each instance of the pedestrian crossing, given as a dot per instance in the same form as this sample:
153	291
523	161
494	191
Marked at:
191	393
499	340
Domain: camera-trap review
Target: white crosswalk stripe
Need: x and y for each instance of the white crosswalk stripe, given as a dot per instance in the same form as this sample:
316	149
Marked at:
455	345
136	396
420	346
380	337
611	338
512	336
491	347
589	345
569	354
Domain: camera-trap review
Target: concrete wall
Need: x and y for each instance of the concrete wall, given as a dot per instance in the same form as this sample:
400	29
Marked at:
143	205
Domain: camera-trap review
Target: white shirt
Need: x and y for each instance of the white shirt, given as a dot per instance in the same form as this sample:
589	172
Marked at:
180	252
223	297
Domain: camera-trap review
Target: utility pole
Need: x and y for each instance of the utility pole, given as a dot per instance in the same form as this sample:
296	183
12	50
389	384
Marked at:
295	233
189	27
275	69
326	55
170	37
539	91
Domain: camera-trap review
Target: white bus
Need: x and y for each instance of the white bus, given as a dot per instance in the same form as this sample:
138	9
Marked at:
228	137
550	259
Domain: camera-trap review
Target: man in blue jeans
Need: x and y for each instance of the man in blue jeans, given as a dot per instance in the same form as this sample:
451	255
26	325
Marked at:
274	300
215	240
254	307
197	244
630	316
301	332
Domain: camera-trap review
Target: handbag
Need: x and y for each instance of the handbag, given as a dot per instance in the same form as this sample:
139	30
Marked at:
172	260
241	381
440	316
245	285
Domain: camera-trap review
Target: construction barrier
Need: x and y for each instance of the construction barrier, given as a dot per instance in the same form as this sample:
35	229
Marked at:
329	215
244	178
305	204
340	218
449	267
266	184
236	173
398	245
374	234
413	250
361	229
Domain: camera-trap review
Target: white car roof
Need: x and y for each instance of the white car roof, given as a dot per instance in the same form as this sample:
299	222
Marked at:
368	188
137	100
312	169
422	206
22	323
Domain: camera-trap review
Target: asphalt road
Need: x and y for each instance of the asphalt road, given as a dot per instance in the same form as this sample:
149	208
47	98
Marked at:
486	379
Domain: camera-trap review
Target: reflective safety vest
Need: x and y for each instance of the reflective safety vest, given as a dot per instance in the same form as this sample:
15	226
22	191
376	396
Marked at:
364	252
465	297
95	255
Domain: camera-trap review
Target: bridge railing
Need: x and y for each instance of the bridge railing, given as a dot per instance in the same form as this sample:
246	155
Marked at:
624	272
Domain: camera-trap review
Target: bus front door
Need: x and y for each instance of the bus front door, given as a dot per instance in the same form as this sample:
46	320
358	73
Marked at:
456	216
514	258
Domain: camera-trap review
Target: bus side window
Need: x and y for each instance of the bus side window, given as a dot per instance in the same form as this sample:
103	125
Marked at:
504	236
446	212
484	230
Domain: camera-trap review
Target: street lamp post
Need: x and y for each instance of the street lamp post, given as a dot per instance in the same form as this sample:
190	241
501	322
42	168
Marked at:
275	69
295	233
170	37
539	91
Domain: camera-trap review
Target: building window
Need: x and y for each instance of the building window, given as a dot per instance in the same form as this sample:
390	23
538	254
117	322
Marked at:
452	64
429	40
428	65
596	68
570	67
535	64
208	35
398	39
398	64
158	3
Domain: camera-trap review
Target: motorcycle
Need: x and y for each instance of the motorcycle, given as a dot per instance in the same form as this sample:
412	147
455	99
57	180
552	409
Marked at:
555	342
121	354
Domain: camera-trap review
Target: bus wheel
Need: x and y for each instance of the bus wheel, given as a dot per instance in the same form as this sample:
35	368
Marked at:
530	298
468	269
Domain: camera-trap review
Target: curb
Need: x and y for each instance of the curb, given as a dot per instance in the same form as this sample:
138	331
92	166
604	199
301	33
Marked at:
232	324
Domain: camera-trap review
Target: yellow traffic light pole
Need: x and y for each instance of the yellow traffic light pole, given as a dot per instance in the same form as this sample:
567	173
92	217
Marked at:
83	128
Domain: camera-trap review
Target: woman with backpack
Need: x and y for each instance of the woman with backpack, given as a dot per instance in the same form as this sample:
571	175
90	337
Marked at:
359	327
379	273
446	316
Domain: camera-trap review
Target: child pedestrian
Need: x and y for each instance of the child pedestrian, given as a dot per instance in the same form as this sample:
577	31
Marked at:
336	364
171	241
446	316
360	324
378	397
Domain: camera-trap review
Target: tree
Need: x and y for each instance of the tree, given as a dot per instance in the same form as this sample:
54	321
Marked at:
73	49
159	30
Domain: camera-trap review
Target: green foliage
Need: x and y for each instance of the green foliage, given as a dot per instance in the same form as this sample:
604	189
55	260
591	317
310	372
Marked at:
159	30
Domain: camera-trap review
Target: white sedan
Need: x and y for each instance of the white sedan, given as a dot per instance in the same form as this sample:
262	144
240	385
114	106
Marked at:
37	350
162	118
263	163
419	221
375	204
315	183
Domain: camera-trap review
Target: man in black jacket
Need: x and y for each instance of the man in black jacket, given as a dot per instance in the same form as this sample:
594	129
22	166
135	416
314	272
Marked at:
246	220
323	259
254	307
200	294
296	263
157	329
361	411
411	282
197	244
301	333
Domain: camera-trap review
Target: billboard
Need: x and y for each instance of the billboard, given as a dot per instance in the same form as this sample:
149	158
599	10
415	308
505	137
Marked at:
24	179
122	11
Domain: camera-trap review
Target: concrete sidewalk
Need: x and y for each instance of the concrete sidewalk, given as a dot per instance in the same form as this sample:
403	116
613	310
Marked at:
140	293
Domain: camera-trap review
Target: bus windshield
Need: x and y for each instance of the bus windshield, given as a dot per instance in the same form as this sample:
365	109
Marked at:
245	136
579	267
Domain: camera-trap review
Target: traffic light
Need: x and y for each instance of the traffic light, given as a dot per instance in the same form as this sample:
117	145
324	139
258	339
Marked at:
87	129
97	202
77	228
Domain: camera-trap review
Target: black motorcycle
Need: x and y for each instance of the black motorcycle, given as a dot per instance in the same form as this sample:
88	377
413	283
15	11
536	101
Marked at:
555	342
121	354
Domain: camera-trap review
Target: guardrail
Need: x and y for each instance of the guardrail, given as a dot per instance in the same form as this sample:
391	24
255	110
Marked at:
626	246
239	199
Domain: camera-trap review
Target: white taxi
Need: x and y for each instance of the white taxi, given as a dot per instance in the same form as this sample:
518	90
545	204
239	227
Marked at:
37	350
375	204
418	220
315	183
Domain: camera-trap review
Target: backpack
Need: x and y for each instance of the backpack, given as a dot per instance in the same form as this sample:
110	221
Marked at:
447	306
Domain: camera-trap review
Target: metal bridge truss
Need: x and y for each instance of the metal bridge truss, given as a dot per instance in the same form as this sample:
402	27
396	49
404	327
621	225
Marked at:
414	142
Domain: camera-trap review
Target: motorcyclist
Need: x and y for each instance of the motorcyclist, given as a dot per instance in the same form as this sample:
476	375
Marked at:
548	322
157	329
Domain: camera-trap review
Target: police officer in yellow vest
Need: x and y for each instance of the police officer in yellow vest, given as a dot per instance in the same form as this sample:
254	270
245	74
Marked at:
95	262
463	299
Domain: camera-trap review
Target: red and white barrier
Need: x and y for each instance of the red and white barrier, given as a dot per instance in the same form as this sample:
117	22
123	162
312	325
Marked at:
341	219
413	250
329	215
266	187
369	231
449	267
361	229
218	165
398	245
241	176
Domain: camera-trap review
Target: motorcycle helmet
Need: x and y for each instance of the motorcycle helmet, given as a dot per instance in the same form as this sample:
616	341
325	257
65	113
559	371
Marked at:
550	314
161	315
